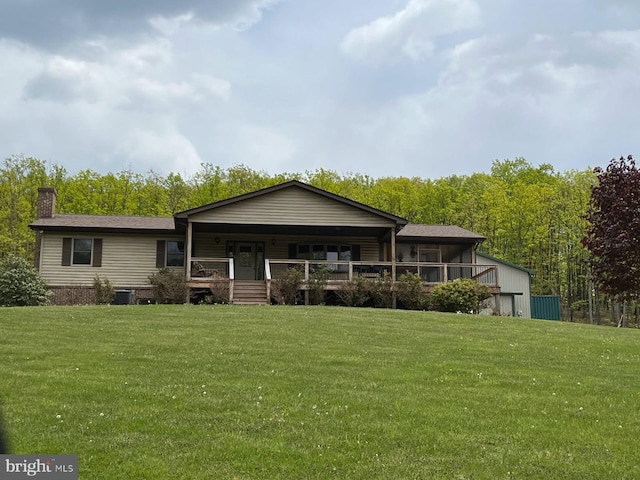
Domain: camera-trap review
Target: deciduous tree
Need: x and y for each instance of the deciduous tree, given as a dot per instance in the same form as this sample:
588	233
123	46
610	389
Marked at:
613	233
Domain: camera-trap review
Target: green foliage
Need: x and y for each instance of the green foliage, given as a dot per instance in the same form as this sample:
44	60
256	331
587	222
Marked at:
21	285
104	290
461	295
530	215
355	292
382	291
170	286
219	292
318	280
410	292
286	290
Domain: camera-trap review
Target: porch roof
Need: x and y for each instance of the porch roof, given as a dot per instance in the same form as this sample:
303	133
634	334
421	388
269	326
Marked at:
439	233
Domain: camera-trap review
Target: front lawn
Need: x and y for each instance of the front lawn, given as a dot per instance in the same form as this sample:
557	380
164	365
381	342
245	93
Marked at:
201	392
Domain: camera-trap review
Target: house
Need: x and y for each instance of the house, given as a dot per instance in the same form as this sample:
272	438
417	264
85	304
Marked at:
245	243
515	287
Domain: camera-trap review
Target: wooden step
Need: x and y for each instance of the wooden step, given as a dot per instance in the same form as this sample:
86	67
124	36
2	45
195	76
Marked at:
246	292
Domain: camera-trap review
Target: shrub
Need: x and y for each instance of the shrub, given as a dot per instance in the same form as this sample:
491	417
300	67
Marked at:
21	285
410	292
219	292
318	280
461	295
286	290
170	286
105	292
355	292
382	292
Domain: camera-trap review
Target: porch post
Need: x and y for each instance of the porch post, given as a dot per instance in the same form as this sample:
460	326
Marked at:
393	254
189	239
188	258
394	294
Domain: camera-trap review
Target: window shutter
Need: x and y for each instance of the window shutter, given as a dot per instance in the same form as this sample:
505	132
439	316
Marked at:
293	250
161	247
97	252
66	252
355	253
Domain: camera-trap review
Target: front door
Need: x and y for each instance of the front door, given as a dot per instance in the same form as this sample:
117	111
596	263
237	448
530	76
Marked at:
248	259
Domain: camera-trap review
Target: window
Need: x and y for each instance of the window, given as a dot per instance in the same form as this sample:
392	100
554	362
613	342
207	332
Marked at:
175	254
429	254
82	251
344	253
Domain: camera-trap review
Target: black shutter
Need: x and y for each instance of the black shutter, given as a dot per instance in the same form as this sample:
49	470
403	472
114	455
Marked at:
97	252
160	252
355	253
293	250
66	252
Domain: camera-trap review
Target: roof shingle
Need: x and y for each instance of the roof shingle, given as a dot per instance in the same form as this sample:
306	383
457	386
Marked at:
105	222
439	232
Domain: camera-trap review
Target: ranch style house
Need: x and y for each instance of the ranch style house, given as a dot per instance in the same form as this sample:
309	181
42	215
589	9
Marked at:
247	242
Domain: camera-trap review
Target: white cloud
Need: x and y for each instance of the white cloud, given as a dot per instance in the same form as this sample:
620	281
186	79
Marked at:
412	30
161	148
141	77
554	99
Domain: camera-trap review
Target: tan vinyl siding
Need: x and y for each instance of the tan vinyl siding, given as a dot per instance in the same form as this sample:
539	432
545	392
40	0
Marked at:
292	206
277	246
127	260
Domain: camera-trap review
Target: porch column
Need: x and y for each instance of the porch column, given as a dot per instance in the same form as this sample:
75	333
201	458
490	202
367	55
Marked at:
394	293
393	254
189	239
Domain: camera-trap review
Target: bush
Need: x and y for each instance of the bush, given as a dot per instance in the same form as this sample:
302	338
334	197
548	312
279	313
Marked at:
318	280
21	285
286	290
170	286
410	292
461	295
219	292
382	292
355	292
105	292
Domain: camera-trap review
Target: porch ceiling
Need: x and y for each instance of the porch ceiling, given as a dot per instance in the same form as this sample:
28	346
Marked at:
327	230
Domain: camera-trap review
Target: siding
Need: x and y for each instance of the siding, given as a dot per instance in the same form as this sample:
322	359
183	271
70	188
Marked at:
292	206
127	260
512	280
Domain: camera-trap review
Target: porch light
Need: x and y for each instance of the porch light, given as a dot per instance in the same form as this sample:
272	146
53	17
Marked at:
217	239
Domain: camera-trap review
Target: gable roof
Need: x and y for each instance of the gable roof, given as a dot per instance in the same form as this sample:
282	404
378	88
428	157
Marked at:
292	184
62	221
439	232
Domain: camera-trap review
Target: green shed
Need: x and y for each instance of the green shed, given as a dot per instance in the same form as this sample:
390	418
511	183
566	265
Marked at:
545	307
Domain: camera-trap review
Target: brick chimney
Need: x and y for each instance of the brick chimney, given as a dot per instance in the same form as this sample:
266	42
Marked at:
46	202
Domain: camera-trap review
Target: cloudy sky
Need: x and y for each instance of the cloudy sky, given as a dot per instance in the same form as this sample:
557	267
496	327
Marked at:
425	88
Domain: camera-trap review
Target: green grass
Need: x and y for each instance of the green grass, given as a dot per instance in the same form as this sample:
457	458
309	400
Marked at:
195	392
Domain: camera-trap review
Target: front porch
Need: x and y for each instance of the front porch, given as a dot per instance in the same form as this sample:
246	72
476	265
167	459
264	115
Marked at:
209	273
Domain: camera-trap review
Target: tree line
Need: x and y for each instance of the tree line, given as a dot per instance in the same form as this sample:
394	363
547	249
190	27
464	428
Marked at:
532	216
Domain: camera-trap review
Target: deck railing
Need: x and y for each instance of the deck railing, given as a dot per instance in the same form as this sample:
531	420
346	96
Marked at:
430	273
208	269
211	268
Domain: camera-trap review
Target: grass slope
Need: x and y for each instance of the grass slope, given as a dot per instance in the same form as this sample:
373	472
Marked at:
196	392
